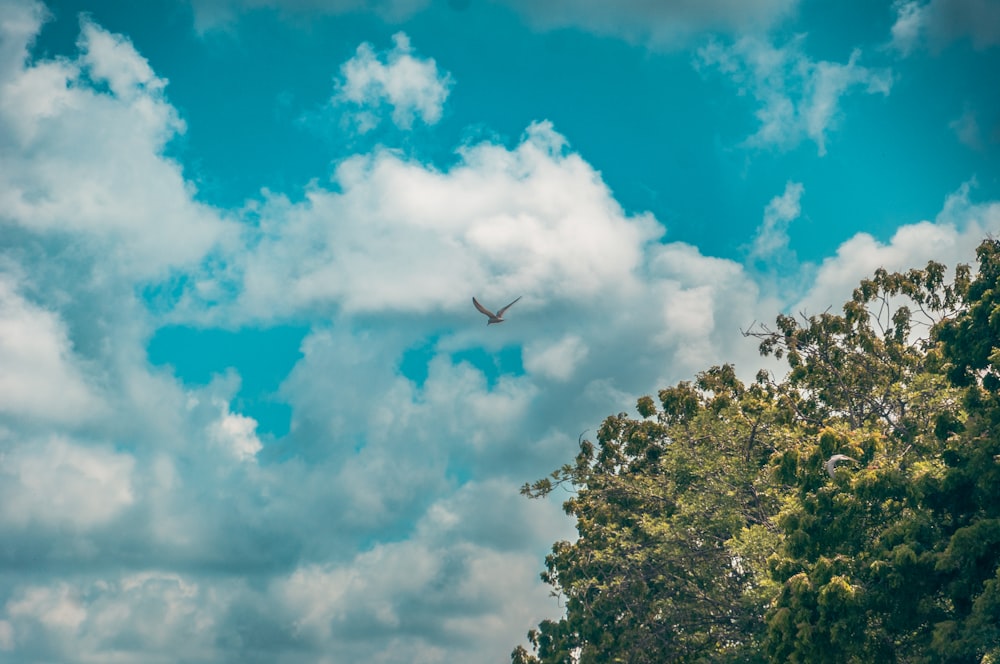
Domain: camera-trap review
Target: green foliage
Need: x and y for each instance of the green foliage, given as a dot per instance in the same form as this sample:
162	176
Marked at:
674	521
710	531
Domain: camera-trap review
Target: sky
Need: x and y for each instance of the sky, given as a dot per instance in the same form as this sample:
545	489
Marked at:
247	410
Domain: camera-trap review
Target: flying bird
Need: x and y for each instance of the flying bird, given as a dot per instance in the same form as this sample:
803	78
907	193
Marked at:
831	463
494	317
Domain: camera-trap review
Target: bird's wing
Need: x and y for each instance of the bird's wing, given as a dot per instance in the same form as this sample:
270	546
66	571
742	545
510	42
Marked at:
484	310
831	464
501	312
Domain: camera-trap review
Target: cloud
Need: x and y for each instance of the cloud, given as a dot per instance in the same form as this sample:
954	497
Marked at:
413	87
455	590
132	617
906	31
460	586
86	165
212	15
951	238
145	520
798	98
937	23
556	360
41	379
966	128
19	25
657	24
237	434
771	237
58	484
394	235
112	59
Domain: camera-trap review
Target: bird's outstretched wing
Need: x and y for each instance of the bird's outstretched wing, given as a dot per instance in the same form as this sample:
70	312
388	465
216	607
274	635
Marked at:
831	463
484	310
501	312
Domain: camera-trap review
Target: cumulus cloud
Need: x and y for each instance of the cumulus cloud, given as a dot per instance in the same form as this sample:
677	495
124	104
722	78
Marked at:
61	484
237	434
147	616
937	23
395	235
386	526
41	377
798	97
609	313
555	360
407	602
161	489
462	566
411	86
19	25
88	165
951	238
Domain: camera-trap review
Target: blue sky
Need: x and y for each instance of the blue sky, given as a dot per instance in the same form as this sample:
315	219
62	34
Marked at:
247	411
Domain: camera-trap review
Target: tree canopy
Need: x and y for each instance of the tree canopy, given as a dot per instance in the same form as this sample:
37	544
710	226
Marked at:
709	529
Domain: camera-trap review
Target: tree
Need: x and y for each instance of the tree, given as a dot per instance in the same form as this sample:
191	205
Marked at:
674	519
856	569
965	496
709	530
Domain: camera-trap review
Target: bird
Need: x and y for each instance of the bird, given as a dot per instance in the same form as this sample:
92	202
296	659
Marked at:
831	463
494	317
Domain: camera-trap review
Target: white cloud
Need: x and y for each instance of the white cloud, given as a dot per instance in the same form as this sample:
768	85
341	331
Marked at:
907	29
61	484
237	433
112	59
937	23
798	97
88	166
19	24
950	239
155	617
54	607
41	378
557	360
398	236
412	86
457	589
409	602
771	237
386	526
